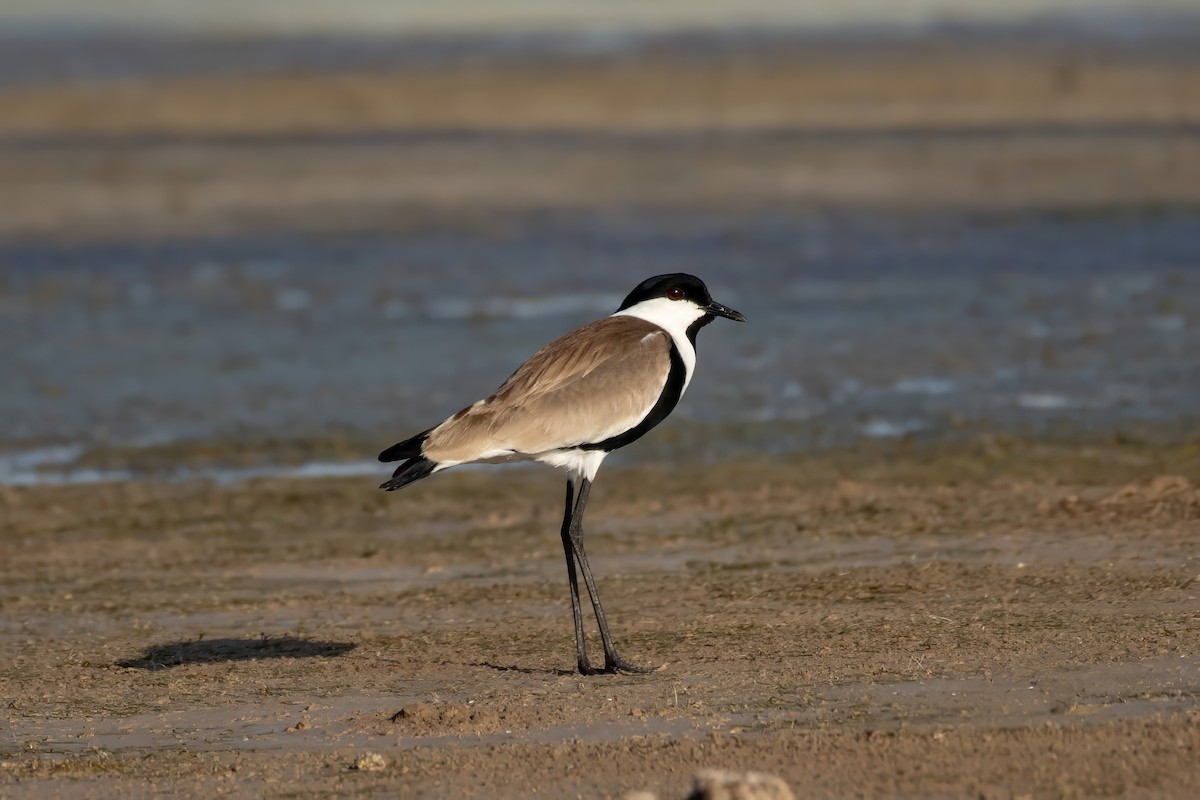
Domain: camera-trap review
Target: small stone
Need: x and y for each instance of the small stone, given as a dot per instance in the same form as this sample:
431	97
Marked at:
719	784
370	762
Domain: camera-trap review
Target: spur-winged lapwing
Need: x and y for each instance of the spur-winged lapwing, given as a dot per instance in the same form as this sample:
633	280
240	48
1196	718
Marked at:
574	402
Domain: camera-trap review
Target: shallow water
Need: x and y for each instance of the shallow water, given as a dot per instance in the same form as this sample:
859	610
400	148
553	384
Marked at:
860	325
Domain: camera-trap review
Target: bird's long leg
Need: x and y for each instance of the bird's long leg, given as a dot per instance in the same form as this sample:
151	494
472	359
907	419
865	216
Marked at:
612	661
580	643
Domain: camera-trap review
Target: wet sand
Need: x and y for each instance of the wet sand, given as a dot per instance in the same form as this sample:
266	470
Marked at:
1000	618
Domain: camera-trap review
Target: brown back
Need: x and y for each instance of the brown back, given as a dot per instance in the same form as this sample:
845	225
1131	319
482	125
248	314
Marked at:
583	387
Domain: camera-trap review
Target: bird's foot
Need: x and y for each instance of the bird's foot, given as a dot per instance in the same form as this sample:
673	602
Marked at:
615	665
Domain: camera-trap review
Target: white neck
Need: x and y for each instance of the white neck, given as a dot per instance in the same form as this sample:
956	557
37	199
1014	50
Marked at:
673	316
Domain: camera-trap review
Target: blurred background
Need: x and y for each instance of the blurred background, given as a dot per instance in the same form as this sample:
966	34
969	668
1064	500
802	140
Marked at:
262	237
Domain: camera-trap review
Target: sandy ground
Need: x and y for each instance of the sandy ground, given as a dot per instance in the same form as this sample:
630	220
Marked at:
997	619
994	619
920	127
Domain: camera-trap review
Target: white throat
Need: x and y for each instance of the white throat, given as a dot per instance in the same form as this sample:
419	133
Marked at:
673	316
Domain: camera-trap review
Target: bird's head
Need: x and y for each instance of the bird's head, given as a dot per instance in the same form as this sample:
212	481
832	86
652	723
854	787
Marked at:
676	300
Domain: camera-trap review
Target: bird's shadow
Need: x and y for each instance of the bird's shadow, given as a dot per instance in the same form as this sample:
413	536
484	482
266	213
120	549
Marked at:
209	651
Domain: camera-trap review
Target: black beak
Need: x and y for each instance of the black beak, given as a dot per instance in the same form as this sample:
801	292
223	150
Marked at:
718	310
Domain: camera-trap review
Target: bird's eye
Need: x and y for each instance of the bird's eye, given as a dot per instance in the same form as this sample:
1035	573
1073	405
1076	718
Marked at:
674	293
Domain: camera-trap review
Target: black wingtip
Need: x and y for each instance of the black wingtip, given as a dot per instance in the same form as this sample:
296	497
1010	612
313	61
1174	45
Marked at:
410	471
409	448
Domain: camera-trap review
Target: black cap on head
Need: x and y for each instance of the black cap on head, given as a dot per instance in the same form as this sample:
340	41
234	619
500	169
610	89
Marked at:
680	286
676	286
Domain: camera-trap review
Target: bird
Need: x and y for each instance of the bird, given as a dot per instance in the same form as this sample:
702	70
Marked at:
594	390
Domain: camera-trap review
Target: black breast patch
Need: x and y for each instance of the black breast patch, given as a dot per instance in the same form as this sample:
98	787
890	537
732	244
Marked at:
672	391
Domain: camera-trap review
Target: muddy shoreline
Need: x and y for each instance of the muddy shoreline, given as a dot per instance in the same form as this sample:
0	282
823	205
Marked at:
927	527
998	620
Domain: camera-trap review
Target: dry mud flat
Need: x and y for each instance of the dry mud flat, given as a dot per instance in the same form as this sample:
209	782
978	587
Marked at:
999	619
899	128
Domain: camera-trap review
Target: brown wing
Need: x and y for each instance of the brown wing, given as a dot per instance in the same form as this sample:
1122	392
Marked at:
584	387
